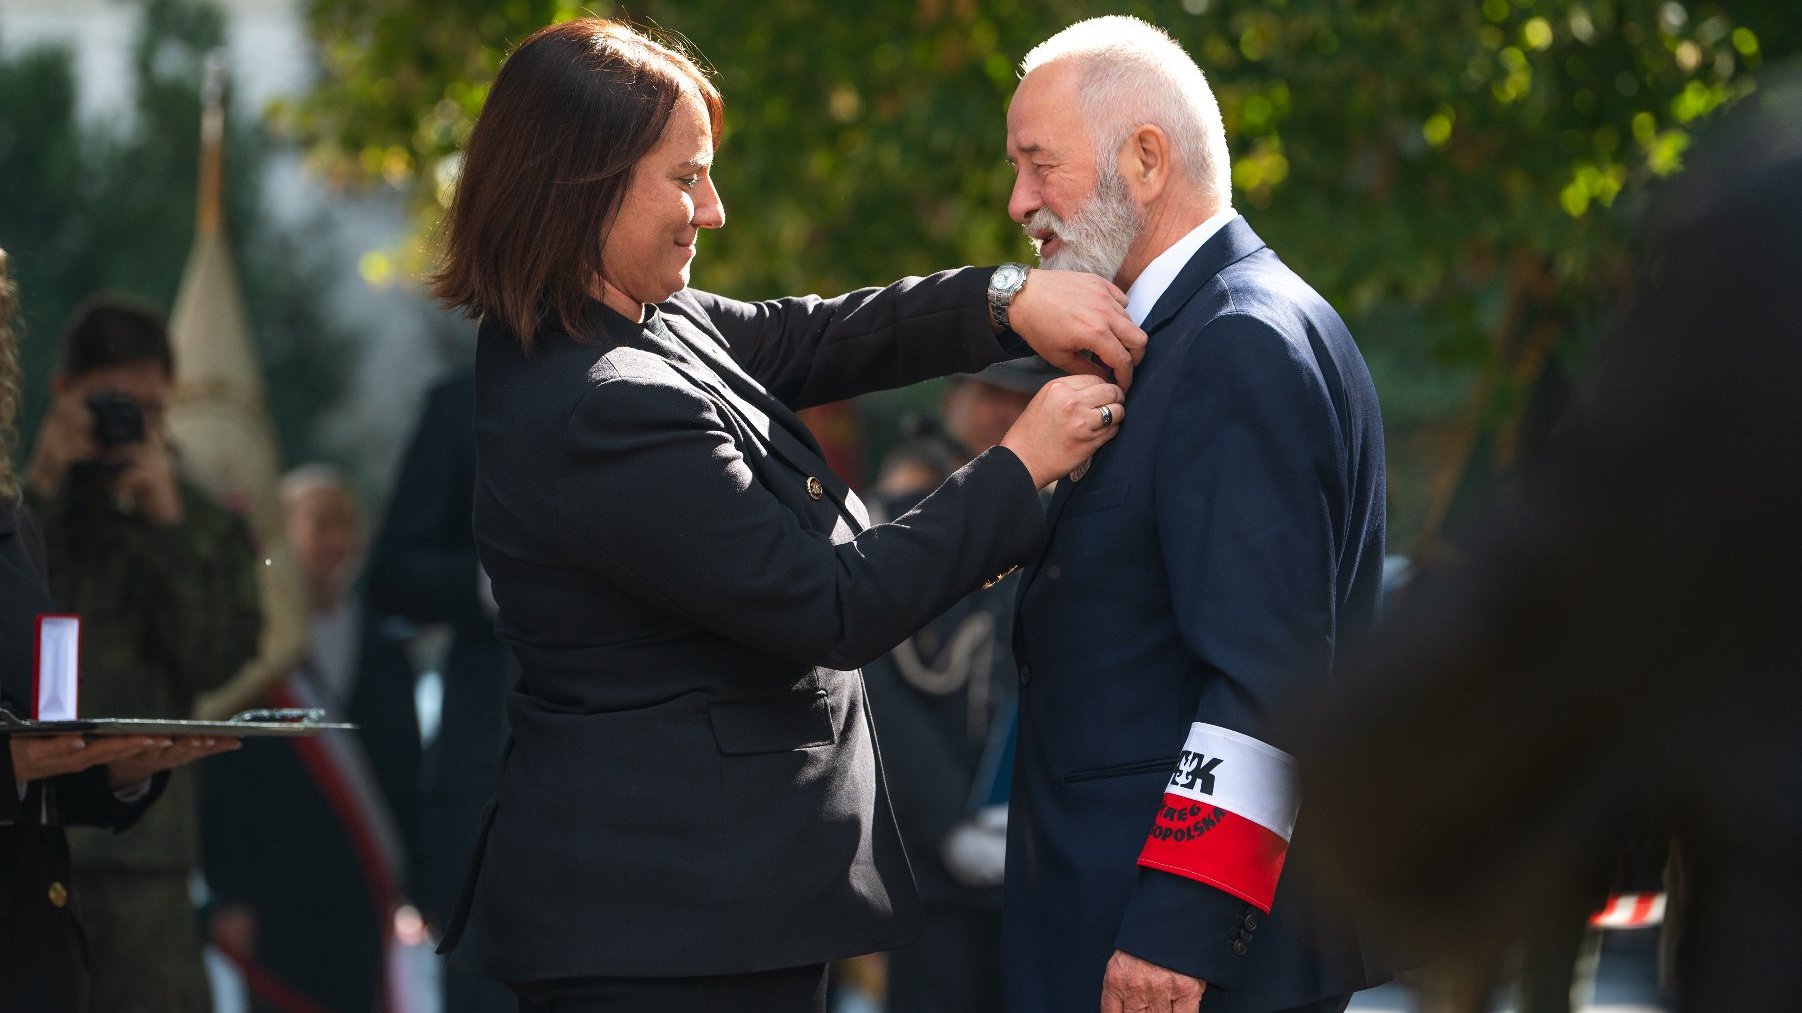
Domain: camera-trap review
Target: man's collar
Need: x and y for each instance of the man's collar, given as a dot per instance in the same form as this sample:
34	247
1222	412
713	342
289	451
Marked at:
1157	276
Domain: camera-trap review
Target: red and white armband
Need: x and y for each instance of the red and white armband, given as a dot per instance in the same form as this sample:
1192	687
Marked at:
1228	813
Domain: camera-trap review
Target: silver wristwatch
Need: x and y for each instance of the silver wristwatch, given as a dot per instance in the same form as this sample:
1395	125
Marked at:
1004	284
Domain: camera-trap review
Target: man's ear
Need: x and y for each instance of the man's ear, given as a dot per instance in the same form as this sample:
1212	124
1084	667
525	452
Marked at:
1145	163
59	384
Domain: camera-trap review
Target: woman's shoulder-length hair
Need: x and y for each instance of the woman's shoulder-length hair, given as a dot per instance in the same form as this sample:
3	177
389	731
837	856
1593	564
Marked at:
573	109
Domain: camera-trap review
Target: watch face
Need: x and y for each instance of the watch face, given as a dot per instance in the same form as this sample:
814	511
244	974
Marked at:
1008	275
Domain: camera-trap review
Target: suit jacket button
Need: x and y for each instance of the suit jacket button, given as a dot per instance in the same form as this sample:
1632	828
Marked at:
814	488
59	894
1025	674
1239	947
1251	921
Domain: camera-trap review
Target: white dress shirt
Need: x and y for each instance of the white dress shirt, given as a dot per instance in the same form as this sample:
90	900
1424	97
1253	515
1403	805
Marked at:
1157	276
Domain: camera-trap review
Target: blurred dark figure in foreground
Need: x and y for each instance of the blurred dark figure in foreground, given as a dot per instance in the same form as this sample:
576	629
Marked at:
423	568
301	853
1621	641
943	703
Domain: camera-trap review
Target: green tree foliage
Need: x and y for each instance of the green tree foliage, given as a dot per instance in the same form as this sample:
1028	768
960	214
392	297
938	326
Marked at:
110	205
1457	177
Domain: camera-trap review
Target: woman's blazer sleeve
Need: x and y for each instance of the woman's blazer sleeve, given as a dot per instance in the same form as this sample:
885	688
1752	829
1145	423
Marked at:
88	799
806	350
655	493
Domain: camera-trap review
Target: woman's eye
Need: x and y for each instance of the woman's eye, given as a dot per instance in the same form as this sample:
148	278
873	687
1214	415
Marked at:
689	182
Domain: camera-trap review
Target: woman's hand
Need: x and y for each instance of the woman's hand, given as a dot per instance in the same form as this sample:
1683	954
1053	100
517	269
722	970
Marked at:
1063	314
37	757
1068	419
167	754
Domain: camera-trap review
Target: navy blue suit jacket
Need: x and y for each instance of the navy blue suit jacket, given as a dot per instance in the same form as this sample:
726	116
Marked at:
1217	557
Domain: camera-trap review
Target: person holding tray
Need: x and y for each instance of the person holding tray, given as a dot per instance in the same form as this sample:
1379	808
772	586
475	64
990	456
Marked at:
49	781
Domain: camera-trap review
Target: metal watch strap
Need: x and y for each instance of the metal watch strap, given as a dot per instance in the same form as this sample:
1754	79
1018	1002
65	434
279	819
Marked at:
1001	299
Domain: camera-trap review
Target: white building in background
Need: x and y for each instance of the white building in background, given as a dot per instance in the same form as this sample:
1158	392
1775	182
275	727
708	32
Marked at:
403	337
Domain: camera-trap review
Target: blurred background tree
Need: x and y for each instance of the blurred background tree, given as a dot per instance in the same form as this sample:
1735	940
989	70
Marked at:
1459	178
111	205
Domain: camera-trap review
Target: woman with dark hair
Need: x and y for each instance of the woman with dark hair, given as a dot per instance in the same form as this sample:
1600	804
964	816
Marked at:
48	782
691	813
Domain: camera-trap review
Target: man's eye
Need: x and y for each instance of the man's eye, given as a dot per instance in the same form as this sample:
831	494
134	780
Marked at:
689	182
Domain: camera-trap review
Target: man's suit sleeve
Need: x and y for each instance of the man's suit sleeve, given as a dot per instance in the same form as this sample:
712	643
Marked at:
1245	486
808	351
655	493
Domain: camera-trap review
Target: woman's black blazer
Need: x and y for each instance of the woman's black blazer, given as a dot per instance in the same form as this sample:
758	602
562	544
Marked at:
692	785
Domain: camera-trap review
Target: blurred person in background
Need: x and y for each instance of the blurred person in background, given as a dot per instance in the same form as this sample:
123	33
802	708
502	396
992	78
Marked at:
1617	646
302	856
943	704
51	781
423	568
163	580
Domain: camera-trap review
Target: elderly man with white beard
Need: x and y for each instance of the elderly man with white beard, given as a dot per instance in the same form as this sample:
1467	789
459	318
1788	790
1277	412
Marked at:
1214	560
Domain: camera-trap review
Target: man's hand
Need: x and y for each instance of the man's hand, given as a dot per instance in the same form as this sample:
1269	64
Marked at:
149	480
1136	986
166	754
37	757
65	436
1063	314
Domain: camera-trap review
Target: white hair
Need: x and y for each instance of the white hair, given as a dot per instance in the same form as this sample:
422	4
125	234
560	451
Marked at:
307	479
1132	74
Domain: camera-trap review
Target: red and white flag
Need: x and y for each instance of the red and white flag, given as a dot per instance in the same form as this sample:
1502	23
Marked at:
1228	814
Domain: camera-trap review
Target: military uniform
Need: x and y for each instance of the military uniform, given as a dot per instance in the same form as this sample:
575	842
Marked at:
167	613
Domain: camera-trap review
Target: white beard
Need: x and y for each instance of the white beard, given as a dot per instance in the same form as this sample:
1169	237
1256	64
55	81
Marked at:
1098	237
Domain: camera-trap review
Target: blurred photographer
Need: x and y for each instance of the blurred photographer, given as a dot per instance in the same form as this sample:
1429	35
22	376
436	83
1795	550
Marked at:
164	581
105	427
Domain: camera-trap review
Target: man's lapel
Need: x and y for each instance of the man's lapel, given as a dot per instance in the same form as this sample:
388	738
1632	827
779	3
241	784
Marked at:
1234	242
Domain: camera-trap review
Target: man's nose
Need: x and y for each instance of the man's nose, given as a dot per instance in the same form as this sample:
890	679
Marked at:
1024	199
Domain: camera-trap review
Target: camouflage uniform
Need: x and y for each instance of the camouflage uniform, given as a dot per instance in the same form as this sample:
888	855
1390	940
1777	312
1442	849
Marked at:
167	613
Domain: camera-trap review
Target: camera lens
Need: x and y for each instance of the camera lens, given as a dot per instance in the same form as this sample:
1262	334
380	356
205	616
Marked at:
118	419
